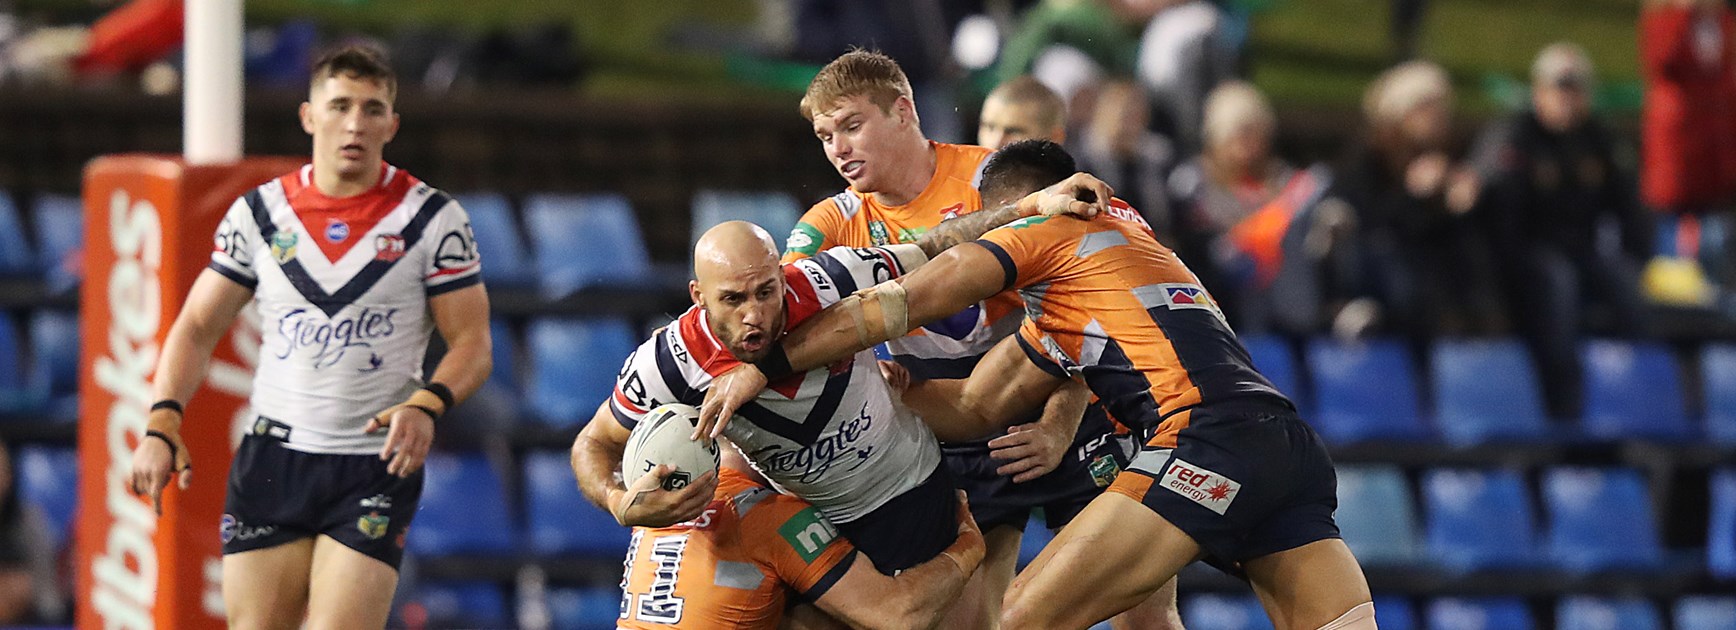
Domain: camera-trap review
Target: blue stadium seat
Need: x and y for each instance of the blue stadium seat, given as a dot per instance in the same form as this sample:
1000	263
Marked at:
1394	613
584	608
506	353
585	241
775	211
1581	612
11	370
1377	514
561	521
1272	357
16	257
1721	528
1718	368
1633	390
1365	391
1705	613
59	239
464	509
1037	535
48	479
53	378
1487	391
573	366
1214	611
1495	613
463	604
1478	519
1600	519
505	259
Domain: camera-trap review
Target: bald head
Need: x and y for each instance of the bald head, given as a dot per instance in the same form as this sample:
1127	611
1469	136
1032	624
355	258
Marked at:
733	246
739	283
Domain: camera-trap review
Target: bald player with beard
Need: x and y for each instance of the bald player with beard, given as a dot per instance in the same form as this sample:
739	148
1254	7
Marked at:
832	435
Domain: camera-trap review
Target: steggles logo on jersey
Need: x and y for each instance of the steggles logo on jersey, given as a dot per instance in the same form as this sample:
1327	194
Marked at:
814	460
389	247
283	246
336	231
330	340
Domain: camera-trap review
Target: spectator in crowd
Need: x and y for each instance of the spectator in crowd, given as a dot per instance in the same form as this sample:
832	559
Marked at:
1424	266
1688	124
1252	225
1093	27
1185	51
1553	190
1120	147
27	587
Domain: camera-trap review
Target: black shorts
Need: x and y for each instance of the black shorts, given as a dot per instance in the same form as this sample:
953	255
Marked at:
277	495
1243	484
911	528
1095	458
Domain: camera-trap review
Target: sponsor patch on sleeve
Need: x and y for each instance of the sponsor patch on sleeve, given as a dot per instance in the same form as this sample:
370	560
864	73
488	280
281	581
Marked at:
805	239
808	533
1212	490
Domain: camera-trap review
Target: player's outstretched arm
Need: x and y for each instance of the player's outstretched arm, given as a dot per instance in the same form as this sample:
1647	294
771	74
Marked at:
596	460
210	309
1081	194
917	597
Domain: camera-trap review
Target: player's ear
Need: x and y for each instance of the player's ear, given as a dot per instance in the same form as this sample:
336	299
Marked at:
306	113
1059	134
905	109
693	291
393	132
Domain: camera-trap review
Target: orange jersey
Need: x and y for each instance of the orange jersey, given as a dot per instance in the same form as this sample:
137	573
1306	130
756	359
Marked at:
854	219
733	566
1106	301
948	348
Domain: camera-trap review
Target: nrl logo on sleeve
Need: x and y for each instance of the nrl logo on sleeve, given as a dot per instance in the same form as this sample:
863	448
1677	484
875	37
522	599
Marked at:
283	245
1199	485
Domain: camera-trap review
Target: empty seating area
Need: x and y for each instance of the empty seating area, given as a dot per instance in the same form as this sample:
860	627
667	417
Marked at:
1468	506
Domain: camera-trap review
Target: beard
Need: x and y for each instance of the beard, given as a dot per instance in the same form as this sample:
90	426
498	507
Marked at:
746	344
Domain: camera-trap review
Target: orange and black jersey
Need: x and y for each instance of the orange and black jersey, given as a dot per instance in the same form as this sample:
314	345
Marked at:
1105	300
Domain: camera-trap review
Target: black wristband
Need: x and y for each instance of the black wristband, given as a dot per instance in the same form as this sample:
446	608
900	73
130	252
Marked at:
173	452
441	391
168	403
430	412
776	364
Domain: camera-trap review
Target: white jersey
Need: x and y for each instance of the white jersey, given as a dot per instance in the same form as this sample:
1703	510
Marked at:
342	288
834	436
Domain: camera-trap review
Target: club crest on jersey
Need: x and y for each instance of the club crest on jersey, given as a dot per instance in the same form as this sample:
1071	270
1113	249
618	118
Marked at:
389	247
878	234
1183	295
283	246
1212	490
1104	469
373	525
336	230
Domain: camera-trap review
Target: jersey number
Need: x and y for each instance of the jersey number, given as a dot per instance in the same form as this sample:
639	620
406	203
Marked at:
659	603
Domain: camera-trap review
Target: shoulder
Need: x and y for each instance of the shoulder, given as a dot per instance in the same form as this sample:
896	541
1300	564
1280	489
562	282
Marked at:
842	206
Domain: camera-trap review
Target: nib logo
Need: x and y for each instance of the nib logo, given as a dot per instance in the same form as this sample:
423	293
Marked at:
1212	490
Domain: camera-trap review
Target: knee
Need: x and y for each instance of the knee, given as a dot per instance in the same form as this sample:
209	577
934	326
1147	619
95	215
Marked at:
1020	611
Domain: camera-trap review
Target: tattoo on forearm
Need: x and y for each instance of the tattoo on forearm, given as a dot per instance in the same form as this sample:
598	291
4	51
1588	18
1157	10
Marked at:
969	227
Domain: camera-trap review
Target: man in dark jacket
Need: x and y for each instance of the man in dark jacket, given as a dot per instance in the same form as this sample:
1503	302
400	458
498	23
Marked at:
1569	229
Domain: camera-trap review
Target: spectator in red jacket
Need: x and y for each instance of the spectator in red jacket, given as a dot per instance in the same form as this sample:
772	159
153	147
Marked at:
1688	154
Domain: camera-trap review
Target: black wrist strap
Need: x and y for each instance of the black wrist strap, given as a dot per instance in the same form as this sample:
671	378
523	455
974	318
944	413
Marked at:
168	403
174	453
776	364
431	414
441	391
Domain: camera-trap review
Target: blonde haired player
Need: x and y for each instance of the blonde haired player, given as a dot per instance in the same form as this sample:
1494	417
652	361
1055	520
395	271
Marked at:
903	185
352	263
1021	109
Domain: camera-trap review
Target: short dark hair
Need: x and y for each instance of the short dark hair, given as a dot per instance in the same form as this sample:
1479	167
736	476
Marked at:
356	62
1022	168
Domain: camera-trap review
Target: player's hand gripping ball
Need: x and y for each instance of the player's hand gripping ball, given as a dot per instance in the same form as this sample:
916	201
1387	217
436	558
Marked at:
665	437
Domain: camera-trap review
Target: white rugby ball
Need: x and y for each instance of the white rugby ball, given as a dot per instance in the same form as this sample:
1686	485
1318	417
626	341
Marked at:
664	437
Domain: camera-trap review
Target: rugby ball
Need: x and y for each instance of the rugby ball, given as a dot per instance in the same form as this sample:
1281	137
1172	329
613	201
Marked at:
664	437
